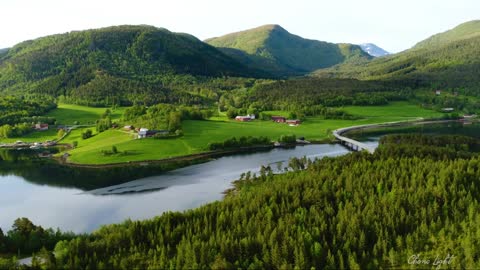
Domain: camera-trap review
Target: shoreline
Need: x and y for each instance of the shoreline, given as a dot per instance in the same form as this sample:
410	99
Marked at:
398	124
192	157
342	139
208	155
205	156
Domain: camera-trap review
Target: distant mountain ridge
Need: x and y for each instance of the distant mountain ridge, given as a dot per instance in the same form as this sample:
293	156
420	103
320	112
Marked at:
139	63
274	49
134	57
448	59
373	50
463	31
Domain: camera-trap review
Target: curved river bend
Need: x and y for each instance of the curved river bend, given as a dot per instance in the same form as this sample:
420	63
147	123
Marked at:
73	209
79	211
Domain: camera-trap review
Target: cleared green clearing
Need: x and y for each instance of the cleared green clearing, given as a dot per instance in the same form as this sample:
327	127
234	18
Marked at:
394	109
36	136
91	148
67	114
90	151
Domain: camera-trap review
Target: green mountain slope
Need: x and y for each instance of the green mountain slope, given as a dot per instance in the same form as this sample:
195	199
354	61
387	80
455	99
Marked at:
275	50
449	59
463	31
119	59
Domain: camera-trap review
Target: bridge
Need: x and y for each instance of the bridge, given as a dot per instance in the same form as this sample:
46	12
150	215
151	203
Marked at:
358	146
350	143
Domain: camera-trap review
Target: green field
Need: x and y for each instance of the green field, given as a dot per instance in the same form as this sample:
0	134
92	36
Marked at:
199	133
36	136
399	109
67	114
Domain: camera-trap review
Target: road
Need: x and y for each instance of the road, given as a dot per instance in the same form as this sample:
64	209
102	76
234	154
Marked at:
356	145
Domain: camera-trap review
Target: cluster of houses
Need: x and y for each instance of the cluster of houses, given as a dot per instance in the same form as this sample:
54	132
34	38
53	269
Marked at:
145	132
276	119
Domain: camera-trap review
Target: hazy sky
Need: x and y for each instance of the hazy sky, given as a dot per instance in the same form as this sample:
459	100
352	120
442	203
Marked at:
394	25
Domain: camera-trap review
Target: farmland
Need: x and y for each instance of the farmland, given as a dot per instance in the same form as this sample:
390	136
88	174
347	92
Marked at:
199	133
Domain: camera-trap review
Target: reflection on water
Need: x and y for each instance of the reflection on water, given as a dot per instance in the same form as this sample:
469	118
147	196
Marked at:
186	188
51	204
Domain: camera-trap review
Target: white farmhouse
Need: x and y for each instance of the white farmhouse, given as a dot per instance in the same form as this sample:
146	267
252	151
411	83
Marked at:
142	133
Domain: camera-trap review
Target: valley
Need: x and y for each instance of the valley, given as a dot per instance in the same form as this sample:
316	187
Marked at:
151	149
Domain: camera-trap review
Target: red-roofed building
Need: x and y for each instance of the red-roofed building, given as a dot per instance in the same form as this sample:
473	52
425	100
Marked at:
278	119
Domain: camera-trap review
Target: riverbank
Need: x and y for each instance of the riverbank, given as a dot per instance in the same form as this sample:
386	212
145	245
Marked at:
154	192
206	156
199	133
358	146
381	128
100	196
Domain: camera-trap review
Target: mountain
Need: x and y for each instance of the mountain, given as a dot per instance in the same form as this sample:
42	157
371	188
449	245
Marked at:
373	50
88	64
463	31
275	50
2	51
449	59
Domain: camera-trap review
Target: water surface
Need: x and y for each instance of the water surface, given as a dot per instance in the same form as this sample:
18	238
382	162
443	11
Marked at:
83	211
55	204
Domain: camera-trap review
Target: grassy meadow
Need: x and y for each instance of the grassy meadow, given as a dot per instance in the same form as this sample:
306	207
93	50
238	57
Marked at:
400	109
36	136
67	114
199	133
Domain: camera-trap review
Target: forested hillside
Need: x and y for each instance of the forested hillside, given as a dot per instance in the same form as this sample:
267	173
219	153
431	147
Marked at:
450	59
355	211
307	92
274	49
13	109
115	65
463	31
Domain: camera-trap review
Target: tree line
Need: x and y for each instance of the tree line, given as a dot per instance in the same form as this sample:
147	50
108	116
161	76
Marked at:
355	211
26	238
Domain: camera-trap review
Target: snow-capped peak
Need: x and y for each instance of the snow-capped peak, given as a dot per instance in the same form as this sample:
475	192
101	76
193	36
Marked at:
373	50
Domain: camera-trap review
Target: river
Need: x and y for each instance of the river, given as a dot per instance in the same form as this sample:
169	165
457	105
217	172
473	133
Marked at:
79	210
